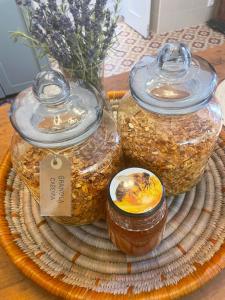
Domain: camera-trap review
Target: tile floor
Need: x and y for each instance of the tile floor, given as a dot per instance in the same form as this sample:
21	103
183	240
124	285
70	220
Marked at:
130	46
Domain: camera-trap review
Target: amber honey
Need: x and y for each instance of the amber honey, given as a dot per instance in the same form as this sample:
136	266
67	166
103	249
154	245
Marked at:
136	211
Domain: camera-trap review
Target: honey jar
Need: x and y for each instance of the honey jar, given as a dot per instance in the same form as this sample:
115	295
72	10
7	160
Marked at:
136	211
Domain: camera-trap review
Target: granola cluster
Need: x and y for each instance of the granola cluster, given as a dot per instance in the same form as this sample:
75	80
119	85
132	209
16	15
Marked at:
94	162
175	148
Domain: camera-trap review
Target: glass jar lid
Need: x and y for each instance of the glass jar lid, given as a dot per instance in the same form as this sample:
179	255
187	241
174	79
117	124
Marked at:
55	113
174	82
136	192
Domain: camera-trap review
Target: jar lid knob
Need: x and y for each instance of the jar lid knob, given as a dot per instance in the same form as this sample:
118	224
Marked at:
174	58
50	88
174	82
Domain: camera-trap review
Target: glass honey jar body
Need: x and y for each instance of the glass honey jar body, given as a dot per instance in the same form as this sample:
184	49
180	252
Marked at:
136	211
170	120
82	130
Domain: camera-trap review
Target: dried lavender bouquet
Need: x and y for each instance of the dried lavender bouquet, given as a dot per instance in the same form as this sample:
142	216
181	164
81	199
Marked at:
77	33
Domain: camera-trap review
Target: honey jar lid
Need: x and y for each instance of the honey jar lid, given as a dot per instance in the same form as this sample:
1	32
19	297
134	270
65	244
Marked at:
56	113
136	192
174	82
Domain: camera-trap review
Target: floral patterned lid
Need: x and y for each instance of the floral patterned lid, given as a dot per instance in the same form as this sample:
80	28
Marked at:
136	191
56	113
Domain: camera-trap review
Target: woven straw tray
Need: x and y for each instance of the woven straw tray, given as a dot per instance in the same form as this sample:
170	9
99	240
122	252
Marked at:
82	263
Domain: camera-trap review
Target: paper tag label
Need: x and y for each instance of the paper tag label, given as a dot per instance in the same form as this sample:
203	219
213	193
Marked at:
55	186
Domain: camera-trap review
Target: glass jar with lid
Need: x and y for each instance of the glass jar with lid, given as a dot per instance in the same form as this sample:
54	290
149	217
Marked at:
72	120
170	120
136	211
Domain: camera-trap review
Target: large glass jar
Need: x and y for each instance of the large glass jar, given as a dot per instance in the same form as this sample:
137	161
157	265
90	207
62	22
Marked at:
170	119
72	120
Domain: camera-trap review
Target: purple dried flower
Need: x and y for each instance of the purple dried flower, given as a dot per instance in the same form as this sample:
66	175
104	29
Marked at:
37	31
24	2
107	18
91	54
52	5
65	22
56	37
76	32
74	11
85	14
99	9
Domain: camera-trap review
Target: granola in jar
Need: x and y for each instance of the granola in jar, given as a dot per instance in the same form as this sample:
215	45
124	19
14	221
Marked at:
165	126
175	148
94	159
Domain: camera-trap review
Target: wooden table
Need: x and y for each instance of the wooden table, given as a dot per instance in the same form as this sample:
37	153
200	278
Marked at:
14	285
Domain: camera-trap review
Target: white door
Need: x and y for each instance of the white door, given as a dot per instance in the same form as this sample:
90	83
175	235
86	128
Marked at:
137	15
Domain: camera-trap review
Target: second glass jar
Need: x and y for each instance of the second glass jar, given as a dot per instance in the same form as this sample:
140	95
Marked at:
170	120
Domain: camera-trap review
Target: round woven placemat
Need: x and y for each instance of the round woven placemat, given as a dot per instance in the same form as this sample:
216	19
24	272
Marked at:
82	263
